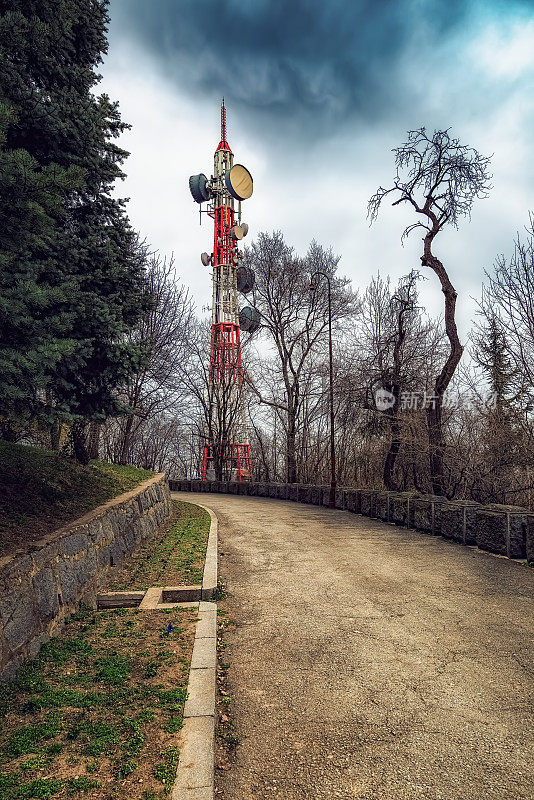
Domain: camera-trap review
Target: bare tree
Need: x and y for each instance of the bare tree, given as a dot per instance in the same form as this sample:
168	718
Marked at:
390	357
294	323
398	345
157	388
440	178
508	299
503	350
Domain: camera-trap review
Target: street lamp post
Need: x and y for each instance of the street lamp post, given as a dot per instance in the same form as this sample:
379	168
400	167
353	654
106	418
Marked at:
313	286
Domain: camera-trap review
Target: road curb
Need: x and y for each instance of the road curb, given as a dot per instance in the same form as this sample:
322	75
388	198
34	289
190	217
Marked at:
209	578
195	775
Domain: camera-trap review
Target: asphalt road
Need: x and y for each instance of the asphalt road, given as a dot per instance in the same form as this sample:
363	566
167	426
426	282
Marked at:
371	662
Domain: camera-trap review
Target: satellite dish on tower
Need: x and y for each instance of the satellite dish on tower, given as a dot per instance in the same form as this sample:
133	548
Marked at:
206	259
239	182
249	319
199	188
245	280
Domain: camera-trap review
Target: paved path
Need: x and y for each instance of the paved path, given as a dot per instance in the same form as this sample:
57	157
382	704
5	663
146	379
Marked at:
372	662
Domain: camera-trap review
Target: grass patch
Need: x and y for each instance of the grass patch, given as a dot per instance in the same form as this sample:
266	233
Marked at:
165	771
41	491
124	476
95	715
176	558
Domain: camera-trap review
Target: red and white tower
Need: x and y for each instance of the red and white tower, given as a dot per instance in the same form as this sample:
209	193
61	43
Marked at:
226	451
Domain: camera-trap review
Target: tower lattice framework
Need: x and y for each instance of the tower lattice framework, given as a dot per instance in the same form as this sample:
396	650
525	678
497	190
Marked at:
226	453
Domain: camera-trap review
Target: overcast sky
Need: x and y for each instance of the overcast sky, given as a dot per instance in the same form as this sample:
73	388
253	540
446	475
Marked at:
317	95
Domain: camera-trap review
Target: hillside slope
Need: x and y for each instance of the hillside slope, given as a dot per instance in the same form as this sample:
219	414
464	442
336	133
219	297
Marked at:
40	491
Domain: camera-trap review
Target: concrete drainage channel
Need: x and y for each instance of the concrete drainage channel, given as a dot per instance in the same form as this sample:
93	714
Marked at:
195	775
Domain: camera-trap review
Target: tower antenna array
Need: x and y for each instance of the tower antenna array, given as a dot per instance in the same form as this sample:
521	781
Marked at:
226	451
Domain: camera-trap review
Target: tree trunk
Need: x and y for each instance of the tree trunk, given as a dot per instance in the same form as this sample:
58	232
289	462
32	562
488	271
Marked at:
126	440
434	410
79	441
55	426
436	446
8	432
394	447
265	462
291	448
55	435
93	440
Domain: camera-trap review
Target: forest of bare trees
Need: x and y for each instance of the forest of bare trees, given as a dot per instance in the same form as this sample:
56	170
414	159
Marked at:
416	408
387	352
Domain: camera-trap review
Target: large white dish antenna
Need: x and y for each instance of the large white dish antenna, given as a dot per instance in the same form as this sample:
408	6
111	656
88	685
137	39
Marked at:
239	182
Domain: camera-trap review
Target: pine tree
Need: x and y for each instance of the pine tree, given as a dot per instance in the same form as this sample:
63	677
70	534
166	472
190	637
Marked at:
502	445
32	206
491	353
76	283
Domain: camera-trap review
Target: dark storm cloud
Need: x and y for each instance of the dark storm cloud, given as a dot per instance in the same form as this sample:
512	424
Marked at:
314	61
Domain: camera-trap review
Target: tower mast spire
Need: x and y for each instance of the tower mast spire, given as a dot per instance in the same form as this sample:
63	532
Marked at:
223	122
226	453
223	144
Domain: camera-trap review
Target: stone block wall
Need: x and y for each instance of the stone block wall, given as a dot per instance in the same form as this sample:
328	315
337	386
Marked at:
425	514
368	502
530	539
506	530
382	506
458	520
45	583
401	508
503	530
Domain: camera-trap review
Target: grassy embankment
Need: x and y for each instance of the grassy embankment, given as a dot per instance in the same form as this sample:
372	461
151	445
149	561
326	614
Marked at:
41	491
96	714
176	558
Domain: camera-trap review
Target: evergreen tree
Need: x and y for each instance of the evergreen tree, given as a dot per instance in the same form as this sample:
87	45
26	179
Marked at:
502	444
82	265
32	328
491	353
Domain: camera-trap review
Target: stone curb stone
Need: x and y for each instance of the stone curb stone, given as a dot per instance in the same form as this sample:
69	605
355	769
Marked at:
194	780
204	654
200	793
209	579
207	625
201	693
152	598
195	775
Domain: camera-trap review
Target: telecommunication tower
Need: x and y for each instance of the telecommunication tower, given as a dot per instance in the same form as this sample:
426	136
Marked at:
226	450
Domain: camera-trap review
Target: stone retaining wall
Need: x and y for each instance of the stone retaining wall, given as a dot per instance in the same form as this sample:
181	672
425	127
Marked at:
505	530
44	583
